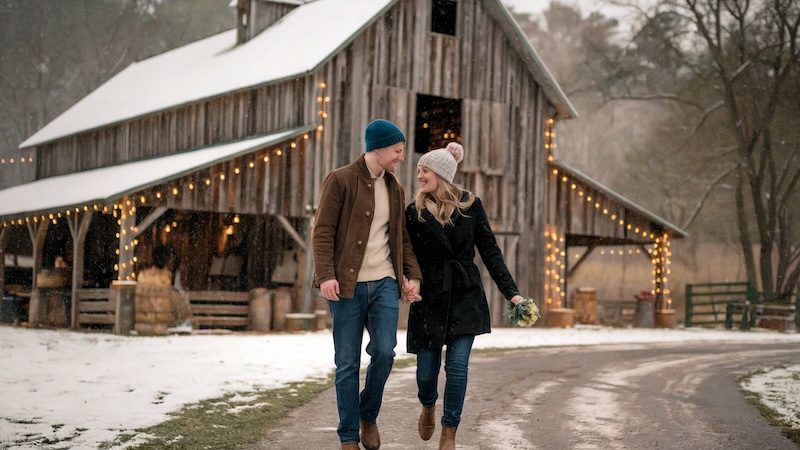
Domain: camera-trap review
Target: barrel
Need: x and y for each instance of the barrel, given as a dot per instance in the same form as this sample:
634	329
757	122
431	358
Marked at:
585	303
260	309
152	304
54	296
281	306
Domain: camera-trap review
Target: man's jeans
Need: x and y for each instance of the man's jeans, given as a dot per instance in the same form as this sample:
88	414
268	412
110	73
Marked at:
374	306
455	389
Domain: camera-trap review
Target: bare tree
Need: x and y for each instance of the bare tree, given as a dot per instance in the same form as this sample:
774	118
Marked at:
734	69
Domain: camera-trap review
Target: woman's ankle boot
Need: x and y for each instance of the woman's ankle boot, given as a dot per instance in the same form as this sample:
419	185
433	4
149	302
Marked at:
427	422
448	439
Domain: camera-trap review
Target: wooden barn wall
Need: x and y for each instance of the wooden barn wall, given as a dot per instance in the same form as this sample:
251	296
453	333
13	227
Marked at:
503	113
227	118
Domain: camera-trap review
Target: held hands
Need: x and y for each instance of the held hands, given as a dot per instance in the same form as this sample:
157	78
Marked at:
516	299
330	290
410	290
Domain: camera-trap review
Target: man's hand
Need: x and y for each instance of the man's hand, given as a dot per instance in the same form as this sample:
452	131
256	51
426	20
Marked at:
330	289
411	290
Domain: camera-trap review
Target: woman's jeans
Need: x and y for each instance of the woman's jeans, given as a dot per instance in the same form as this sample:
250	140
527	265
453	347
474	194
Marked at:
455	367
374	306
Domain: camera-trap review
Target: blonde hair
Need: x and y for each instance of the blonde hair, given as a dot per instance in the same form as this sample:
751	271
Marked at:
443	202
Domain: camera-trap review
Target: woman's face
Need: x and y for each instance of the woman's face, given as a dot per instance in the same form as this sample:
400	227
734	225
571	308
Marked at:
427	180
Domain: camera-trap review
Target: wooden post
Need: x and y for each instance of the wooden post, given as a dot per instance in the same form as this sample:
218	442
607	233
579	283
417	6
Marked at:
124	292
78	228
307	291
37	232
127	227
5	236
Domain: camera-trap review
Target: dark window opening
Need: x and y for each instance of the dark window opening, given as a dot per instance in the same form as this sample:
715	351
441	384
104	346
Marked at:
443	16
438	122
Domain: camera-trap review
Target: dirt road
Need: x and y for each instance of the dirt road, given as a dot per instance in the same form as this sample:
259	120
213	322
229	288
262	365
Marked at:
605	397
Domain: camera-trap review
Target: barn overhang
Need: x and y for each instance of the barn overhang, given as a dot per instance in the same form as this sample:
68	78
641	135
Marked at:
585	213
567	174
93	189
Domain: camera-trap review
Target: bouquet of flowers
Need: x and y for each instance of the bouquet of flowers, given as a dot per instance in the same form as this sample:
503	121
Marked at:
524	313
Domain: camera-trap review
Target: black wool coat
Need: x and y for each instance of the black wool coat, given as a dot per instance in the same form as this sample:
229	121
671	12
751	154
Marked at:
453	300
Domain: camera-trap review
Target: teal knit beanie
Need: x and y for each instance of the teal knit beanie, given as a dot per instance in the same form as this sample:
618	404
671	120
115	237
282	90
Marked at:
381	133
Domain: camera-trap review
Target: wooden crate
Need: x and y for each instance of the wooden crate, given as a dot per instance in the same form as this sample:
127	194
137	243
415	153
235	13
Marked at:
220	309
95	307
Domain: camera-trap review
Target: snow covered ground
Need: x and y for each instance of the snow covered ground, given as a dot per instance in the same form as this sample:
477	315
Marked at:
93	387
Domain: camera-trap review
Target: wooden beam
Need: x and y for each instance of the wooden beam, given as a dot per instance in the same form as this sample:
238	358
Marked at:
147	221
580	261
292	232
78	228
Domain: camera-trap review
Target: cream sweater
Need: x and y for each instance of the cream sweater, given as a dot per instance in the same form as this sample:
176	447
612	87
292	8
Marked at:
377	264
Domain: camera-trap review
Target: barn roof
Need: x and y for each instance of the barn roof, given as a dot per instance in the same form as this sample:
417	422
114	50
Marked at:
587	181
106	184
216	66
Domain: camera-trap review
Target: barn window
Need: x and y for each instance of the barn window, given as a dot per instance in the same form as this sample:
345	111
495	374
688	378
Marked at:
443	16
438	122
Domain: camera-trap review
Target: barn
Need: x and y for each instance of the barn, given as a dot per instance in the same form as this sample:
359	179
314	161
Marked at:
217	149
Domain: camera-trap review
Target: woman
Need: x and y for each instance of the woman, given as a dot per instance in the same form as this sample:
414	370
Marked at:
446	224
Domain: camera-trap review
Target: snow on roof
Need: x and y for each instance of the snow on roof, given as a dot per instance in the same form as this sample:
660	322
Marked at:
110	183
295	45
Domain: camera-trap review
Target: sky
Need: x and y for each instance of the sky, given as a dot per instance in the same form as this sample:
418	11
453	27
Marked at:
94	387
586	6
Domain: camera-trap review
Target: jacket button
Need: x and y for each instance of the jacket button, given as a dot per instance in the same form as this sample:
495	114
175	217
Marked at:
368	213
369	184
360	242
351	270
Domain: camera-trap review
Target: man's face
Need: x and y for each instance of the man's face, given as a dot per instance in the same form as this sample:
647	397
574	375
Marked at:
389	157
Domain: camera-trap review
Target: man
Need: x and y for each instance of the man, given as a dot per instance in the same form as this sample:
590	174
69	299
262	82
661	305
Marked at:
363	260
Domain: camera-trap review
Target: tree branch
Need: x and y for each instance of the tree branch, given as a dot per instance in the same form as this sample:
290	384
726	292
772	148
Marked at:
706	194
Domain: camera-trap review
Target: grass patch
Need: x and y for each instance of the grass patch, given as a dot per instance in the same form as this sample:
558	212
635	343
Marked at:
768	413
229	422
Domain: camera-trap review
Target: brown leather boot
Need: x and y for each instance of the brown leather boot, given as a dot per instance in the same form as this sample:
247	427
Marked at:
370	438
427	422
350	446
448	439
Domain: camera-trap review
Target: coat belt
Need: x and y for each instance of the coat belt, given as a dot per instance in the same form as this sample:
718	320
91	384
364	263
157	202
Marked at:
447	274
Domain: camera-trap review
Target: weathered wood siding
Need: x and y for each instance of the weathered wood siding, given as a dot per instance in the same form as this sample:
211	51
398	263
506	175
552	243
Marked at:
503	114
222	119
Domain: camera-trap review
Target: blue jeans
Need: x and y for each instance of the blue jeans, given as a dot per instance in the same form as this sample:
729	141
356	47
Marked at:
456	366
375	306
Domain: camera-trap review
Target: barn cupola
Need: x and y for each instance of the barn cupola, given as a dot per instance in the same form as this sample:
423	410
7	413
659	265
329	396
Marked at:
255	16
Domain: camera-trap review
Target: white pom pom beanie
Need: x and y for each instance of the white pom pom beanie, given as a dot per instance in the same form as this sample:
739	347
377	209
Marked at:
443	161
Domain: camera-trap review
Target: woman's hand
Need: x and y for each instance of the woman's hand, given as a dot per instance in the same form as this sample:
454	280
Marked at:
516	299
410	290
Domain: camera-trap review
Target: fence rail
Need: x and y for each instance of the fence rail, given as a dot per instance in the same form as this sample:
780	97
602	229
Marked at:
739	303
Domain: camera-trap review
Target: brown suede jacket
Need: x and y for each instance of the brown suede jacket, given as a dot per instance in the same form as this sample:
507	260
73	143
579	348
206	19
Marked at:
341	229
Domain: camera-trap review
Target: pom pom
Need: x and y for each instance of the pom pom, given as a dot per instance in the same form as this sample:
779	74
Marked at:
456	150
